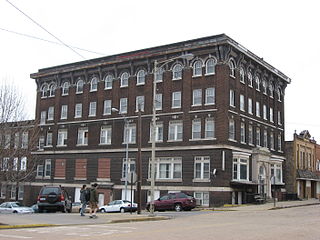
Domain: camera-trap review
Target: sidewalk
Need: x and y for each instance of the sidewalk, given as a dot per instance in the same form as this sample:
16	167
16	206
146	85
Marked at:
269	205
8	221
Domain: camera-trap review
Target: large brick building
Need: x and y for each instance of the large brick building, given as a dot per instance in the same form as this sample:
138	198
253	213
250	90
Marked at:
220	122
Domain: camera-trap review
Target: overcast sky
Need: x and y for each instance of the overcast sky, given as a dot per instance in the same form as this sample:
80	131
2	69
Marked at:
285	33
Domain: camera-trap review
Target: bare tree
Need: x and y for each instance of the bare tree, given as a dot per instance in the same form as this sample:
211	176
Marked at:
18	138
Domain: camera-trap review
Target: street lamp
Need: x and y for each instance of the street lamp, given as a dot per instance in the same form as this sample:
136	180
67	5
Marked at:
126	127
187	56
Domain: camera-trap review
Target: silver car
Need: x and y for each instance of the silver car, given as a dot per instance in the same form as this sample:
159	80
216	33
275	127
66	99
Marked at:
119	206
14	207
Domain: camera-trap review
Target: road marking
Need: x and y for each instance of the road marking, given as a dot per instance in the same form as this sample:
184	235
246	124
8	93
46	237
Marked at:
14	236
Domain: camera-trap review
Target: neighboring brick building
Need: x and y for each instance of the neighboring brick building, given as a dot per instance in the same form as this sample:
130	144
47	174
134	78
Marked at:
301	166
222	112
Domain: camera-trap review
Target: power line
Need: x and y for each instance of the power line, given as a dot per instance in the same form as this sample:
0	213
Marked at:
45	30
45	40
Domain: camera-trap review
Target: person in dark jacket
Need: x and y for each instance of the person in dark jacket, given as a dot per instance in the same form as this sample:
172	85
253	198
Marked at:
93	202
83	199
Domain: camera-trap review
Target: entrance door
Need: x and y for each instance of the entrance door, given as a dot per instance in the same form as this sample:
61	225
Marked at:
101	199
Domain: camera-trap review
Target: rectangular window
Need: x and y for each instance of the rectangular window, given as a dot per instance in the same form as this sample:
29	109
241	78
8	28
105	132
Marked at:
202	198
272	141
197	97
62	137
78	110
276	173
158	103
107	107
271	114
250	111
3	191
279	142
49	139
279	118
13	189
25	140
128	167
82	136
167	168
176	99
40	171
175	131
130	134
232	135
23	164
158	132
64	112
81	169
265	138
240	169
123	105
50	113
105	135
243	133
43	116
210	96
209	128
257	109
250	135
232	98
258	142
41	142
265	114
47	168
196	129
140	103
202	168
242	107
92	109
7	140
16	140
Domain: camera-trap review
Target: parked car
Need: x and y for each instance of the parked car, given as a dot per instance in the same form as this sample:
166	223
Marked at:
174	201
35	208
119	206
14	207
54	198
76	207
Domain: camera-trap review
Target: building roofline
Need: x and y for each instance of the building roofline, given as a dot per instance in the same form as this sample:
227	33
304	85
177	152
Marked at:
156	51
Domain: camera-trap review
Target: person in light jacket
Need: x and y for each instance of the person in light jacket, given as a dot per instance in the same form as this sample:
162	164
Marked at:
83	199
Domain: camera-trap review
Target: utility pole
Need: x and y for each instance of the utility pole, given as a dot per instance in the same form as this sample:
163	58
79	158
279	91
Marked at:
139	161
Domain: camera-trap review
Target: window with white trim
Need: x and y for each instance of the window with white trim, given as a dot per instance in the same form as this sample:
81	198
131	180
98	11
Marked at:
232	67
82	136
159	74
264	87
52	90
140	103
141	77
210	66
16	140
276	172
158	103
25	140
123	105
176	99
257	79
167	168
240	169
124	79
242	107
258	136
243	133
65	88
62	137
232	98
130	134
279	94
20	192
50	113
265	138
13	191
23	164
196	129
79	87
279	118
105	135
78	110
177	72
271	114
3	191
47	168
250	135
108	82
40	171
49	139
271	140
197	97
250	109
271	89
128	167
64	112
7	140
265	114
175	130
92	109
158	132
197	68
257	109
279	142
202	198
250	81
209	128
202	168
41	143
232	132
242	75
107	107
210	96
44	90
94	84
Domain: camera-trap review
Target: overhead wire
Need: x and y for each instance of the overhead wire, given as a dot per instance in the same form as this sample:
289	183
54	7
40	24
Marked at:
45	30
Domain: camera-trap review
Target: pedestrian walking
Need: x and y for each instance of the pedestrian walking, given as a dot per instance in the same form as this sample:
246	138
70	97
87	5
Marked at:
93	202
84	198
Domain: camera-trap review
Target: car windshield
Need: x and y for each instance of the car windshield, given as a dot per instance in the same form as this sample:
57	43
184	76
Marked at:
126	201
16	205
49	190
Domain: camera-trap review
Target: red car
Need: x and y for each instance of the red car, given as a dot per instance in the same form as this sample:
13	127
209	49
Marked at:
174	201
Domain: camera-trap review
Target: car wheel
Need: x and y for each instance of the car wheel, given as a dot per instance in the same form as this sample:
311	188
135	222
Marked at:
178	207
103	210
122	210
15	211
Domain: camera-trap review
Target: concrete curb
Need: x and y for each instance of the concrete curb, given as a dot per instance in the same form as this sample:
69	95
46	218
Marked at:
293	206
142	219
27	226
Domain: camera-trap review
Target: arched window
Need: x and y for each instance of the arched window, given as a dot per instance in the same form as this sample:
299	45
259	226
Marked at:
124	79
250	79
108	82
94	84
232	67
257	83
210	66
264	87
279	94
197	68
271	89
241	75
141	77
65	88
177	71
44	90
52	89
79	86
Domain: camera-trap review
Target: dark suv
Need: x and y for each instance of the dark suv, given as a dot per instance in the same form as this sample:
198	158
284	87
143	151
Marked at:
174	201
54	198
